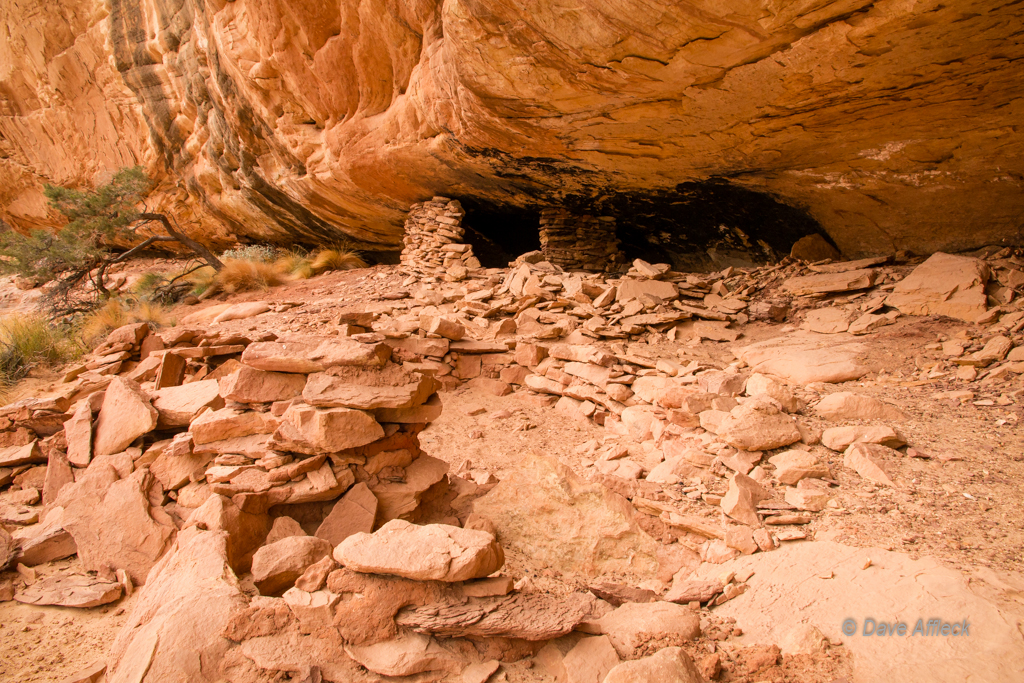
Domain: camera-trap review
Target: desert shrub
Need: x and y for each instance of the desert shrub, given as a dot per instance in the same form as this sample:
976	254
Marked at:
243	276
296	263
338	258
201	281
27	341
148	284
115	313
260	253
81	251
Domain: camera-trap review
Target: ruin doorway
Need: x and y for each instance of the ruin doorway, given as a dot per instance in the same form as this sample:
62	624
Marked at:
499	233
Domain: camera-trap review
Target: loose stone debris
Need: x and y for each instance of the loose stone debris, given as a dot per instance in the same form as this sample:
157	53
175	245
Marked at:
266	495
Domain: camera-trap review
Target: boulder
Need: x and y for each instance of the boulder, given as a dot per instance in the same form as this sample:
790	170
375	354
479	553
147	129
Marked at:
114	528
802	358
58	475
247	309
178	406
8	549
740	501
722	383
838	438
812	500
306	354
169	372
364	389
758	425
634	289
812	248
94	672
249	385
444	327
354	513
615	593
131	334
480	673
741	537
227	423
590	660
868	460
402	499
435	552
831	320
673	471
407	654
639	421
846	405
78	433
45	541
436	348
773	388
126	414
276	566
669	665
13	456
315	576
995	350
283	527
306	429
825	283
792	466
953	286
632	625
175	629
545	510
486	385
246	531
803	639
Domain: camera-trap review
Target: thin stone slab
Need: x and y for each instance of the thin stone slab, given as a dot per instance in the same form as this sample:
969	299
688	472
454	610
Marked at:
307	354
70	590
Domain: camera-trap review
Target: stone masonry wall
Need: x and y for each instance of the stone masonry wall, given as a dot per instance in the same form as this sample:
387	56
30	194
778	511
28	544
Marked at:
433	234
579	242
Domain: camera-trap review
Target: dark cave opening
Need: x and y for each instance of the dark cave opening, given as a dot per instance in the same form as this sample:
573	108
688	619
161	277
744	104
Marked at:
703	226
499	233
697	226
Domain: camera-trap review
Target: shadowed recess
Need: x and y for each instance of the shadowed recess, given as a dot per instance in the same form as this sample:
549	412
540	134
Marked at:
702	225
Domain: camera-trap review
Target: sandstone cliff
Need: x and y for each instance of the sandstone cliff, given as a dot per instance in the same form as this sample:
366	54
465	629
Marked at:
893	123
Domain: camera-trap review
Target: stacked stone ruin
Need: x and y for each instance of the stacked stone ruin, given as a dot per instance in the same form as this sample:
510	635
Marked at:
579	242
433	240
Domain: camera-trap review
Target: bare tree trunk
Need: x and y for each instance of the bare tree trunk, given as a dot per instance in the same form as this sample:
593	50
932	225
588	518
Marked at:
198	248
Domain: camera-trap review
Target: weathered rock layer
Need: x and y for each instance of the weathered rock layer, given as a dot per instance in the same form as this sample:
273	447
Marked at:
892	124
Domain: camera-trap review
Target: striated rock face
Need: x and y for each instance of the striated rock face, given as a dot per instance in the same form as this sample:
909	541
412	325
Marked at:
893	123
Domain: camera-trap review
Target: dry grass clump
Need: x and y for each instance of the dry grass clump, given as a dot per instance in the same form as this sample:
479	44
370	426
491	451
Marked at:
116	313
296	264
240	275
336	259
259	267
27	341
